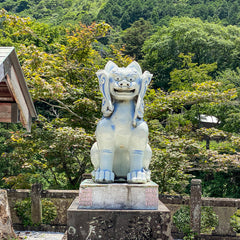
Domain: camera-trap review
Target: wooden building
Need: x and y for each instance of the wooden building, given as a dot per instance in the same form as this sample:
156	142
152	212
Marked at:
16	104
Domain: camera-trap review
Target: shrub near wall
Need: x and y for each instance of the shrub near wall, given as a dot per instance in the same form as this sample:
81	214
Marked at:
61	199
23	210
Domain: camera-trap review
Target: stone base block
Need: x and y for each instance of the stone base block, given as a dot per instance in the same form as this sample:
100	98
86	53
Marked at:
6	229
118	224
118	196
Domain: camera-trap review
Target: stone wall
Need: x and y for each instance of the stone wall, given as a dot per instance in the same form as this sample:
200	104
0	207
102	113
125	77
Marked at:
62	199
223	207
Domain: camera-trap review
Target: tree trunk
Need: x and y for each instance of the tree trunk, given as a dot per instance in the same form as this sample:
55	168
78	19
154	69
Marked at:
6	229
208	143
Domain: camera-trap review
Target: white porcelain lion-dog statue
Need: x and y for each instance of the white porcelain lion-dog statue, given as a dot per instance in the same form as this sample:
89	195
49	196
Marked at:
122	150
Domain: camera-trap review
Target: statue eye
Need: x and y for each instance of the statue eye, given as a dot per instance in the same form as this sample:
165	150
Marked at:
131	79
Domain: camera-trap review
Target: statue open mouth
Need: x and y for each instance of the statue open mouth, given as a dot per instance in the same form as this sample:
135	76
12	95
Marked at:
121	90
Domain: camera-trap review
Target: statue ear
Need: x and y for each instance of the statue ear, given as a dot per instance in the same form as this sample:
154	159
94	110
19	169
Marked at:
146	77
110	66
136	66
107	107
139	109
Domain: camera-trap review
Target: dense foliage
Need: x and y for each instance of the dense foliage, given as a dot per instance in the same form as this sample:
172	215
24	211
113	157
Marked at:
124	12
209	42
61	77
55	11
195	65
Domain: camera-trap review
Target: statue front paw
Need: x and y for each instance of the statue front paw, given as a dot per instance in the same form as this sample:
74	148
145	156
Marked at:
138	176
103	176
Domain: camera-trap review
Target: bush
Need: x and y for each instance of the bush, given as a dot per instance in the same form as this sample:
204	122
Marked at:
181	219
235	221
226	150
23	209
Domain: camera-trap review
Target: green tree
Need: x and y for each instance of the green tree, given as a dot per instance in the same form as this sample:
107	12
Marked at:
7	165
134	37
170	161
157	12
63	85
56	155
209	42
112	13
132	13
182	79
174	122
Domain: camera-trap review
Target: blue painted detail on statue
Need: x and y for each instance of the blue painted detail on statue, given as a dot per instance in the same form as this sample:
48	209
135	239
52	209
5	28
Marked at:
107	151
140	152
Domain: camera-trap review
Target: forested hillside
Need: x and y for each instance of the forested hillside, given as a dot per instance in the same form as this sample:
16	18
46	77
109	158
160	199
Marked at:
190	47
124	12
55	12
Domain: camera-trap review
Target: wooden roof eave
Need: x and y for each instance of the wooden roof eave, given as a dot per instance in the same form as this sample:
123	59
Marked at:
14	85
6	94
22	83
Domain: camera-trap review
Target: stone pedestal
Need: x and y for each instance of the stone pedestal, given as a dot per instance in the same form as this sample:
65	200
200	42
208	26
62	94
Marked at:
118	211
118	224
118	196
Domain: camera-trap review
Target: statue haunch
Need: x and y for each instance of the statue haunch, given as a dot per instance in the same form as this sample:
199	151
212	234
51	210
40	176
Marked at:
122	149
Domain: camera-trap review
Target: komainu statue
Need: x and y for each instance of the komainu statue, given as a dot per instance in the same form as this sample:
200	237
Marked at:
122	150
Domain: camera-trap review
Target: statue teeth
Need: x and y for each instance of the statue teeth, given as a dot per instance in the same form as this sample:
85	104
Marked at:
124	90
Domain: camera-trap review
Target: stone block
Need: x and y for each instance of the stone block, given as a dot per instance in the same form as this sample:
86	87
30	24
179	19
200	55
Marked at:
118	224
118	196
6	229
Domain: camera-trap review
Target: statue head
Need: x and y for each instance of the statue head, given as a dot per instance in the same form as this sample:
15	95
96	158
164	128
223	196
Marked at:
123	84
